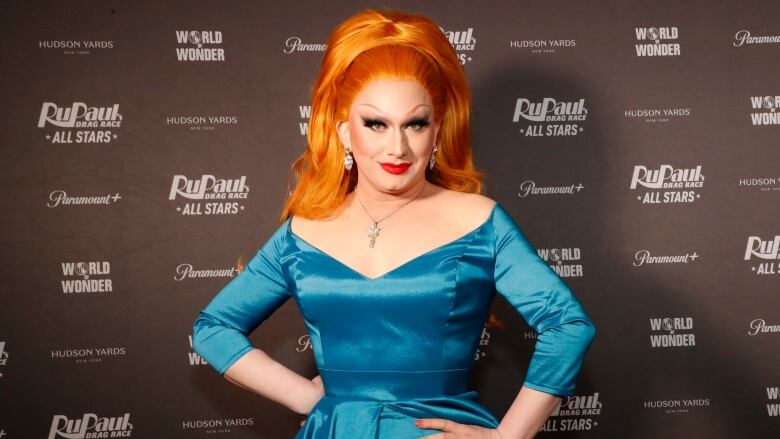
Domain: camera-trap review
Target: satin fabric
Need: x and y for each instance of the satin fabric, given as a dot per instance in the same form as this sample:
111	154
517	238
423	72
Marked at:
401	346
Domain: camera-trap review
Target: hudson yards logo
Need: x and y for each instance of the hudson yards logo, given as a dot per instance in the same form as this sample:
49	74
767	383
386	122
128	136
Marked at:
529	188
667	184
201	122
462	41
199	45
209	195
766	251
743	37
764	184
765	110
76	47
670	332
643	257
575	413
673	406
542	46
550	117
86	277
80	123
657	115
90	425
657	41
216	425
89	354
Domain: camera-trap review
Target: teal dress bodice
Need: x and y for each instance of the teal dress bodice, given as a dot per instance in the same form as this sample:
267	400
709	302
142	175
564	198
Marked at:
401	346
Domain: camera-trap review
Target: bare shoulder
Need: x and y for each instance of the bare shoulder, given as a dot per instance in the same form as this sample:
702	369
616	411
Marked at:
471	210
303	226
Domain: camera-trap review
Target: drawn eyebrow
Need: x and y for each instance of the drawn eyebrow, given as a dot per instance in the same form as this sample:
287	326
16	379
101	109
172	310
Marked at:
382	112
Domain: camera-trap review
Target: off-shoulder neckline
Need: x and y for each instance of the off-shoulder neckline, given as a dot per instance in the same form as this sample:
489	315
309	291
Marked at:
403	264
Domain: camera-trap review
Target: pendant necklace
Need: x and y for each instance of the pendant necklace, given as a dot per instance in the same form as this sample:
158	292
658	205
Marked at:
373	231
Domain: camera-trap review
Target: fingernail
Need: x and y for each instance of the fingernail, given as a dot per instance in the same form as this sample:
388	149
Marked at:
417	422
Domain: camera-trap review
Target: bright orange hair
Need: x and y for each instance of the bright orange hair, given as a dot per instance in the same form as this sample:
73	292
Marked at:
370	45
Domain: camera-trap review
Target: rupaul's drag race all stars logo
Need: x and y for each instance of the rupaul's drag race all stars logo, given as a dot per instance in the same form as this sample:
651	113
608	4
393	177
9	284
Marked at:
767	252
80	123
484	341
199	46
667	184
463	41
575	413
209	195
90	425
655	41
550	117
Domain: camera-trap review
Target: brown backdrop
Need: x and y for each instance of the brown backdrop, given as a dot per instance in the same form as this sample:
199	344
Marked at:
106	264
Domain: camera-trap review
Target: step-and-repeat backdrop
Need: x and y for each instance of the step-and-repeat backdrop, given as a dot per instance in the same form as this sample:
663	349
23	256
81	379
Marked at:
146	149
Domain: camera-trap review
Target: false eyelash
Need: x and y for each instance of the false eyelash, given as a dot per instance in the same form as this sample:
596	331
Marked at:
421	122
369	122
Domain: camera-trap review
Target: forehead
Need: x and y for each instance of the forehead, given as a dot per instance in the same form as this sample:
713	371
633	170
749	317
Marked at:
392	95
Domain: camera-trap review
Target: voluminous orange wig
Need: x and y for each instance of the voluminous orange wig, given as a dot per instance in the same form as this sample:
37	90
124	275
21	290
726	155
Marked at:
371	45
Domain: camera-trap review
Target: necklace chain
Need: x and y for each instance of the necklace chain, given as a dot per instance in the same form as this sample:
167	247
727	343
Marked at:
373	231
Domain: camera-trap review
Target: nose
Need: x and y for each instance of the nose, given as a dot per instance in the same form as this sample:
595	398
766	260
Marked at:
398	144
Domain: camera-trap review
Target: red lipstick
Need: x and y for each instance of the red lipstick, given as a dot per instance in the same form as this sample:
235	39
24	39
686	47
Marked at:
395	168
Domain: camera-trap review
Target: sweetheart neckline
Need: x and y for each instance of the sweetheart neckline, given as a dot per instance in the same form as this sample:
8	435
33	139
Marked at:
403	264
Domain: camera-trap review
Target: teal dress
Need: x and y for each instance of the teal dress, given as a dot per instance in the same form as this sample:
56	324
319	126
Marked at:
400	346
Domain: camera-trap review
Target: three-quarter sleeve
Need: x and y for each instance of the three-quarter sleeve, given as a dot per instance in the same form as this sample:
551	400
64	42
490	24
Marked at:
220	331
564	330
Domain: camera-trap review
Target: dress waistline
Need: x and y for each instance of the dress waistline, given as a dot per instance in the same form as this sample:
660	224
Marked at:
393	385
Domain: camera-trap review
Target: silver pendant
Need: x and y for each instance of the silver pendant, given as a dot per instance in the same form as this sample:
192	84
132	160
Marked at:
373	232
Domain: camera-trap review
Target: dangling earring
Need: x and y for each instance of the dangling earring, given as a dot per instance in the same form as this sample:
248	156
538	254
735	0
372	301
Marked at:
347	160
432	161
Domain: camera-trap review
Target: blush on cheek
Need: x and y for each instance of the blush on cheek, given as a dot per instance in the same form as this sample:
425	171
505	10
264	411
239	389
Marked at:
363	143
